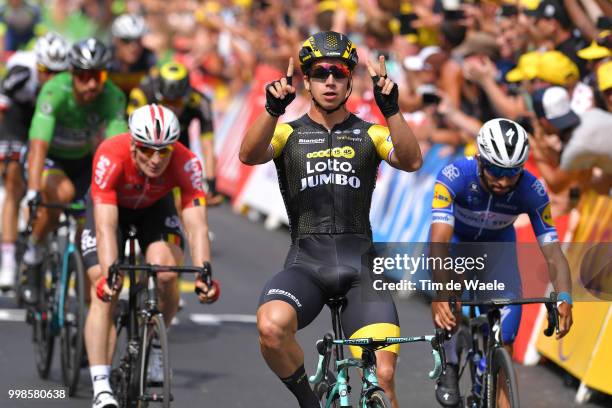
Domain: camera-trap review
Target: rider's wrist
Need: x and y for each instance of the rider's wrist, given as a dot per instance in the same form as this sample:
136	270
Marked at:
565	297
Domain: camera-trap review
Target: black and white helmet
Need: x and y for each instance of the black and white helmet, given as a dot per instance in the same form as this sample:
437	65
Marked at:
504	143
52	51
154	125
89	53
129	27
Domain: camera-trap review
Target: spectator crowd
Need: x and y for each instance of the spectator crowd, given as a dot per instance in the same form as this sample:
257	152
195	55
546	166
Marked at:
544	63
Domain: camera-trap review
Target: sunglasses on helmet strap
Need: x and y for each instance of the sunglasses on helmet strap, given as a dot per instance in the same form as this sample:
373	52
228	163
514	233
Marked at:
499	172
149	151
324	70
86	75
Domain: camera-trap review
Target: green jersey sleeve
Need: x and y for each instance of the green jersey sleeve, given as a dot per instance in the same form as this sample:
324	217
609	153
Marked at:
47	104
115	103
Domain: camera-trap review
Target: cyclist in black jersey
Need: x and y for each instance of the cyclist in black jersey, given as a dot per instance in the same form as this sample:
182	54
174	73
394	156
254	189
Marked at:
327	163
131	60
169	87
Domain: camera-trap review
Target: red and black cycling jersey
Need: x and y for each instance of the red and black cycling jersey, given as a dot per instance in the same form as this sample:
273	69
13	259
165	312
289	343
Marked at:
327	177
117	180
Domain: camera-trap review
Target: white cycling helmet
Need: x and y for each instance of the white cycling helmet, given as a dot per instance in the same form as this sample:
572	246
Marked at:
154	125
504	143
52	51
129	27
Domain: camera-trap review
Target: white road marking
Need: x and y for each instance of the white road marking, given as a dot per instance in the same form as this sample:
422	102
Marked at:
12	315
207	319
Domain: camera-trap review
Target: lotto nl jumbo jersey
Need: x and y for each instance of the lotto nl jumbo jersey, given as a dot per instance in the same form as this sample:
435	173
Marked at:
477	215
327	177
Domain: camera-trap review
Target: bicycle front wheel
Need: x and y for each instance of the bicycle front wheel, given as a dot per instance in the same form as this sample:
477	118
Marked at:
503	386
154	364
43	336
377	399
71	334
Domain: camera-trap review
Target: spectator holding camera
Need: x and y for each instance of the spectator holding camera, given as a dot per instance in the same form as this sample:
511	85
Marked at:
585	154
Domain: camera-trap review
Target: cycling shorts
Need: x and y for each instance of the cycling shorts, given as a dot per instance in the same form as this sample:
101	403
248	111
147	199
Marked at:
307	286
78	171
158	222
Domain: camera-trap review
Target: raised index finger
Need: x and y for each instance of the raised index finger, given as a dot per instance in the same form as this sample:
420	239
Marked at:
290	71
371	69
383	66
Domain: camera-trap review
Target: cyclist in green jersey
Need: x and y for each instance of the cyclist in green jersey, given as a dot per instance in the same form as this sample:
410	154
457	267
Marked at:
74	111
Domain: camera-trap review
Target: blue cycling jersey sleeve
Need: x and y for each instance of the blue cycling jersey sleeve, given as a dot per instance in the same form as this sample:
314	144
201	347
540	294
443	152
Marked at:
537	205
449	183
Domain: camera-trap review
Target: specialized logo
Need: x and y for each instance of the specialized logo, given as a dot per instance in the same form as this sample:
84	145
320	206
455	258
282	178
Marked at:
442	197
451	172
346	152
509	135
546	216
195	173
101	171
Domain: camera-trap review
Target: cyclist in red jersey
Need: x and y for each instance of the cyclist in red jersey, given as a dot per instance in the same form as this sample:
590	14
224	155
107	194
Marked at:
133	175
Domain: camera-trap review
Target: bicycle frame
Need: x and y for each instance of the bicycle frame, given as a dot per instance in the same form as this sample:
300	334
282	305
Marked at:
494	338
367	363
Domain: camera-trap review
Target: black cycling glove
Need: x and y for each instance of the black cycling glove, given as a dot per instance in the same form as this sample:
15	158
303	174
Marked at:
276	106
387	104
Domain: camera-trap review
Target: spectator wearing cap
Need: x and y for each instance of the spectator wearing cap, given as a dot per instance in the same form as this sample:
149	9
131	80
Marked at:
585	158
534	70
555	27
422	69
604	83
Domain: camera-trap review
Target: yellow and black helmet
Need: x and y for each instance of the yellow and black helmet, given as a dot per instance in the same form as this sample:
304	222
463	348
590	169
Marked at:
327	44
172	81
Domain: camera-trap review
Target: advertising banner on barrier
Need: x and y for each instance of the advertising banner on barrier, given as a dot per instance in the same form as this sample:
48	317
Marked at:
585	351
232	174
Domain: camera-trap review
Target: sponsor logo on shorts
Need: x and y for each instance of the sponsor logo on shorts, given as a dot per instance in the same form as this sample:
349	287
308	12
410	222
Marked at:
281	292
88	242
172	222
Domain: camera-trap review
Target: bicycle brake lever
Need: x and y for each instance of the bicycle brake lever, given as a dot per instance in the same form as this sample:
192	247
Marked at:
205	276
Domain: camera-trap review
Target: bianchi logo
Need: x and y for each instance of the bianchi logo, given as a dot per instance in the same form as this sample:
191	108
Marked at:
284	293
347	152
311	141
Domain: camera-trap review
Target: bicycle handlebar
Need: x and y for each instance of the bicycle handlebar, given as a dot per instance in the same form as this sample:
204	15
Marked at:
204	272
550	303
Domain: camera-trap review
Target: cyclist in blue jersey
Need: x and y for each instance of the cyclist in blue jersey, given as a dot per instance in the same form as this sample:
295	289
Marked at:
477	199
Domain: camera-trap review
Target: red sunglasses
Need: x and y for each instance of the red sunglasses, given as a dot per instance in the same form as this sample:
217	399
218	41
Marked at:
149	151
324	70
99	75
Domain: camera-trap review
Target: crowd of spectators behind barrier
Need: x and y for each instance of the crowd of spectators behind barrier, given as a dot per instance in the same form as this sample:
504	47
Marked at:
546	64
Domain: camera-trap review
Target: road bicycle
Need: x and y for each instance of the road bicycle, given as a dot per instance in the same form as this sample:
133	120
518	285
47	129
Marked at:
60	310
480	346
331	384
140	326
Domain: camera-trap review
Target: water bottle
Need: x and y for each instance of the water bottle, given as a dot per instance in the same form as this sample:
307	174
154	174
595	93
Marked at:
480	369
